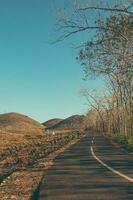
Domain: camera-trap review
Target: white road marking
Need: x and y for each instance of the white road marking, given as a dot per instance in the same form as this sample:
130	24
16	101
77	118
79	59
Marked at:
110	168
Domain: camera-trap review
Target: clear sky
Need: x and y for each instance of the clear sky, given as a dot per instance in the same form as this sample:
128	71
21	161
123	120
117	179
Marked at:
36	78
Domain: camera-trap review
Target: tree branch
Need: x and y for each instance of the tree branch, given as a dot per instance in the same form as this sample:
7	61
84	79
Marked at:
107	9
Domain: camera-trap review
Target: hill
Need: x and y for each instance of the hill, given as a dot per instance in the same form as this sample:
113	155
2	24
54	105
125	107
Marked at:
18	129
19	136
23	142
72	122
52	122
14	122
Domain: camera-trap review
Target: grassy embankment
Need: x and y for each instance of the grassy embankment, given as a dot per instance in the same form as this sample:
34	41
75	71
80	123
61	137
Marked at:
125	141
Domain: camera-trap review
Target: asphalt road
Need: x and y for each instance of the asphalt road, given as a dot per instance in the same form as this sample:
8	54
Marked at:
93	169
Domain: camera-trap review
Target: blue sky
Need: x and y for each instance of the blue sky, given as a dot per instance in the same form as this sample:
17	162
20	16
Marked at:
36	78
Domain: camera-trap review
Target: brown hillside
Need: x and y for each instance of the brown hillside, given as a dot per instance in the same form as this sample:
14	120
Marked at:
52	122
14	122
23	142
19	136
73	122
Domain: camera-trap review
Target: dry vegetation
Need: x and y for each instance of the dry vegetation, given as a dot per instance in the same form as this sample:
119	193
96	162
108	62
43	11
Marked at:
24	143
52	122
107	55
17	133
14	122
74	122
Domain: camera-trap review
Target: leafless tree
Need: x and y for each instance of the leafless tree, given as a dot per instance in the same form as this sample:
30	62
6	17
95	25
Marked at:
108	54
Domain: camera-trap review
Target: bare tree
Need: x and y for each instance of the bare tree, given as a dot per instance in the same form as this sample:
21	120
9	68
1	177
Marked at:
108	54
80	19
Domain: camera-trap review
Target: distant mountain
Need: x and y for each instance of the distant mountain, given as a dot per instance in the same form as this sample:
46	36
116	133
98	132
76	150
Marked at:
16	123
73	122
52	122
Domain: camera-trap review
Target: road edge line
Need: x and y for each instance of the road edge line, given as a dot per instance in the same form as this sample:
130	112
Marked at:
110	168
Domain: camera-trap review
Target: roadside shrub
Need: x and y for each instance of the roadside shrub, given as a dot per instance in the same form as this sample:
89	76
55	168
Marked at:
130	143
125	141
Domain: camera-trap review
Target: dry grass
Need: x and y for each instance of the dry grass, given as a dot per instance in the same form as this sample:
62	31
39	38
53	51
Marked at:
23	143
52	122
18	134
17	123
73	122
22	185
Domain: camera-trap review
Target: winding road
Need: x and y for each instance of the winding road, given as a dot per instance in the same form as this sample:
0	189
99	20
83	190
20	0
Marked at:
93	169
